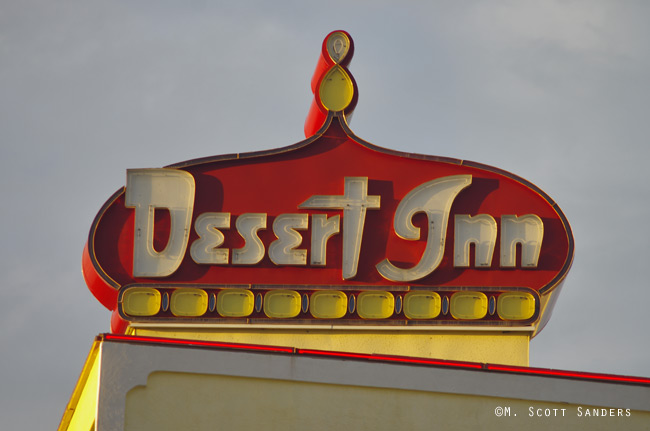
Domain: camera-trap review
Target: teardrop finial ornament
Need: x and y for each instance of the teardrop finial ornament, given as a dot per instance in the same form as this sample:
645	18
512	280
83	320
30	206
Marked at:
333	85
336	90
338	45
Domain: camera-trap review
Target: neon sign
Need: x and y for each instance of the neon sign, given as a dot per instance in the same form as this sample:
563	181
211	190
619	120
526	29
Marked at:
330	214
149	190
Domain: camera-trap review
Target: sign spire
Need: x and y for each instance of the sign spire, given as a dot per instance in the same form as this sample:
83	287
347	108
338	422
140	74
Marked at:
333	85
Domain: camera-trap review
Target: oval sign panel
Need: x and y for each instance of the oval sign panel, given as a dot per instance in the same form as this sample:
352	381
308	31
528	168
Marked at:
332	213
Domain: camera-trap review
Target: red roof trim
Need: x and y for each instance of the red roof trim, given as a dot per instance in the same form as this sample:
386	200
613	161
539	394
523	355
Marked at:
197	343
579	375
569	374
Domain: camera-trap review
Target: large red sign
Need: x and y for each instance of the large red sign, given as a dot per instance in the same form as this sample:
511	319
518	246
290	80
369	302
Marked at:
307	231
331	210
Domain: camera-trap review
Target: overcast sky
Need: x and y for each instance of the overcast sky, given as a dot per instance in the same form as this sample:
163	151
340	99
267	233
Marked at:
557	92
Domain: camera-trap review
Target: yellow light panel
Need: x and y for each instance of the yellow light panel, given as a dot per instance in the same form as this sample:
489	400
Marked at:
328	304
141	301
336	90
516	306
375	305
421	305
235	302
282	304
187	302
468	305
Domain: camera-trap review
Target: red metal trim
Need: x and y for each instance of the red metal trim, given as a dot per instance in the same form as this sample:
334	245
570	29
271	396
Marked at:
577	375
100	284
197	343
569	374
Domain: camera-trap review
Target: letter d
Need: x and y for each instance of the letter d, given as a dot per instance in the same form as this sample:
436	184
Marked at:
146	190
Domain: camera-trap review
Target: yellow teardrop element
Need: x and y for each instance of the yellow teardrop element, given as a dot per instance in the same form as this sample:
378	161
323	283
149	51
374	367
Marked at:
336	90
